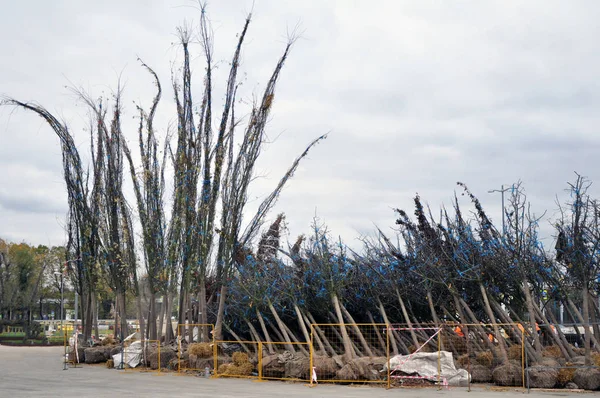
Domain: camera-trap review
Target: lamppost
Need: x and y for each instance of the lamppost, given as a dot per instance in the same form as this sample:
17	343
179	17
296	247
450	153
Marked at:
62	306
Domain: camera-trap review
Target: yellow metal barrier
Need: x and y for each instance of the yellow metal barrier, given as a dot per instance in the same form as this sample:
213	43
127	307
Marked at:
475	348
200	334
349	353
408	341
284	361
366	353
239	359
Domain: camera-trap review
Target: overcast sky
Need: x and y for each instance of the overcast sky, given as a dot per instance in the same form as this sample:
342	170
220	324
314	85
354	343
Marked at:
416	95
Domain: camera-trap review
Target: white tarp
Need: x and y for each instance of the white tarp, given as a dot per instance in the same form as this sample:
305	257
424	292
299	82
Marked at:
132	355
426	364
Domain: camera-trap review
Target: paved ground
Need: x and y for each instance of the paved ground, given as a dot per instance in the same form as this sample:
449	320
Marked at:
37	372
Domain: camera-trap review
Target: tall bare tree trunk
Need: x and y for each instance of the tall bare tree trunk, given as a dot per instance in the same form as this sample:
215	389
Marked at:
169	335
282	328
203	311
357	331
318	335
220	314
519	336
581	319
477	328
301	323
593	308
497	333
161	316
390	332
586	324
95	310
562	337
380	339
546	326
152	332
140	313
536	341
348	351
265	331
407	320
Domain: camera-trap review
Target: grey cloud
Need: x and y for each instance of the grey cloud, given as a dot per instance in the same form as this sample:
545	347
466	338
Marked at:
30	202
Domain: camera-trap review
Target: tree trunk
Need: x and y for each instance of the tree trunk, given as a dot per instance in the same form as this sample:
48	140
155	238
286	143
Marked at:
220	313
152	332
319	335
141	321
390	332
301	323
497	333
546	326
382	342
161	317
95	309
463	320
240	341
124	327
407	320
582	319
593	308
86	316
287	340
357	331
586	324
169	335
561	335
348	352
478	328
536	341
203	311
520	336
265	331
295	340
253	331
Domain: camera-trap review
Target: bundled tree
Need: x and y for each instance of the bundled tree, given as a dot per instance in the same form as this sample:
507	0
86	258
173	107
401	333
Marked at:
577	249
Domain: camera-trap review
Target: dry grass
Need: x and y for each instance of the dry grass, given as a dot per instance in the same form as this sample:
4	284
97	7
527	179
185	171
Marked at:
201	350
231	369
108	341
565	375
485	358
110	364
552	351
596	358
240	358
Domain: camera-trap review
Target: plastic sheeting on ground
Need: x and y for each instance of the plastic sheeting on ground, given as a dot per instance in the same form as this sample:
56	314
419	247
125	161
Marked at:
131	356
425	364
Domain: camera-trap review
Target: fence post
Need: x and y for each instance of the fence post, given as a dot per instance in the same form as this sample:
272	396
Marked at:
468	341
522	356
178	355
215	353
310	356
260	367
159	357
387	354
439	363
65	355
